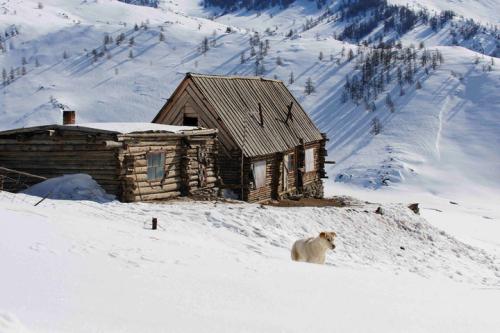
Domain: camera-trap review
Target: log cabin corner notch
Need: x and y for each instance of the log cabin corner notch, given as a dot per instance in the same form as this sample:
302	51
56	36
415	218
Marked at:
268	147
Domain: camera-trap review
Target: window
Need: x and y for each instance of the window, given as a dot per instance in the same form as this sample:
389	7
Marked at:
309	162
259	173
190	121
288	162
156	165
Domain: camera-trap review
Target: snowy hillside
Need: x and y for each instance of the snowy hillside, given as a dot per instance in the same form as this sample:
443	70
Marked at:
112	61
479	10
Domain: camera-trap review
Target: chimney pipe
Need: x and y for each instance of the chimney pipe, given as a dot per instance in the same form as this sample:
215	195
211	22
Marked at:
289	113
260	115
69	117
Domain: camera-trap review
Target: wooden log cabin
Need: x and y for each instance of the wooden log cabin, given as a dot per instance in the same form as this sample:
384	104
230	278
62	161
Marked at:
134	161
268	147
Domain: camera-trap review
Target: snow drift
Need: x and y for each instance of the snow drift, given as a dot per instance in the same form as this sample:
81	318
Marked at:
70	187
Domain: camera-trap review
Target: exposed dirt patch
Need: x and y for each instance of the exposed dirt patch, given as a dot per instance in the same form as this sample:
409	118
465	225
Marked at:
340	201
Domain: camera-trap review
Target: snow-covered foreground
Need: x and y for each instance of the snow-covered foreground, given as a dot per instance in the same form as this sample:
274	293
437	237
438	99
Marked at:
84	266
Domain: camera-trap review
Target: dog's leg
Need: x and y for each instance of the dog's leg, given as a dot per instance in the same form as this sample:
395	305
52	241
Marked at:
295	253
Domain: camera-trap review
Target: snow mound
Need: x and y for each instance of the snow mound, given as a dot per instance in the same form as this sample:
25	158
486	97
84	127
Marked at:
10	324
71	187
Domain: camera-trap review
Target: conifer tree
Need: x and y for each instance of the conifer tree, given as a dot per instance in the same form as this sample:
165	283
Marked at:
5	78
309	88
376	126
389	103
350	55
204	45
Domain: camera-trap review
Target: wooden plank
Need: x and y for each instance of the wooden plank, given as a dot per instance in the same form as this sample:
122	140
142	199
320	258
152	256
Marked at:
6	170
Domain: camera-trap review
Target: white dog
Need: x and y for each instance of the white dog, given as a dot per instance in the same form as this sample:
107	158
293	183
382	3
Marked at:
313	249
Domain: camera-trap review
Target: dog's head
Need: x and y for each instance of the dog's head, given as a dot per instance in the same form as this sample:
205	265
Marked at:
329	237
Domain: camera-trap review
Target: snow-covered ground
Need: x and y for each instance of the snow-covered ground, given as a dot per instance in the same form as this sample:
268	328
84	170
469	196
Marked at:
83	266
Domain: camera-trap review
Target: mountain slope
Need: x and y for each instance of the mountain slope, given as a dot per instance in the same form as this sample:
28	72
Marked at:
439	134
112	61
485	11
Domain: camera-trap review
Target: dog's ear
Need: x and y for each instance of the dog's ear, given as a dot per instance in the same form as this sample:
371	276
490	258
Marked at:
322	234
334	234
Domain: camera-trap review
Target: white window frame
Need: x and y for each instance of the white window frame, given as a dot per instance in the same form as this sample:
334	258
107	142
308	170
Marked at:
259	172
288	160
155	165
309	160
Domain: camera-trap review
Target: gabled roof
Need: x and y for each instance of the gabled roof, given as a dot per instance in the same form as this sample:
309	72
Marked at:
236	101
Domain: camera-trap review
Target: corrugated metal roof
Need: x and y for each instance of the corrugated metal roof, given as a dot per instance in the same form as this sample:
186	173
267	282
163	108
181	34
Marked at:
236	101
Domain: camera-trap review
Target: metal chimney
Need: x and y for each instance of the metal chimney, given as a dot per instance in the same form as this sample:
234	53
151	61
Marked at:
69	117
260	115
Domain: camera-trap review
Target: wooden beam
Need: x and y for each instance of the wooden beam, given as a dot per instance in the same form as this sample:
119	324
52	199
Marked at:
22	173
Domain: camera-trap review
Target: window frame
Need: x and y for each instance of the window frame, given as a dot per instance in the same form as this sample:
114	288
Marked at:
159	167
254	175
309	167
291	162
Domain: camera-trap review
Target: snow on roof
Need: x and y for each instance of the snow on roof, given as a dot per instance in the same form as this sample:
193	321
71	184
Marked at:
126	128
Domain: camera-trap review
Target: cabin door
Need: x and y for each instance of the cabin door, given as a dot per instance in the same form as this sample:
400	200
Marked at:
299	171
284	172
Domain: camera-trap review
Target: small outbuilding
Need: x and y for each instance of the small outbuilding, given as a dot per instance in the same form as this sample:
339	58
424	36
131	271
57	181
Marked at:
268	146
134	161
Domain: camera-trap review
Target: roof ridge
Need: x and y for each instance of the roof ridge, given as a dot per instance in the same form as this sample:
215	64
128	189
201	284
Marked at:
231	77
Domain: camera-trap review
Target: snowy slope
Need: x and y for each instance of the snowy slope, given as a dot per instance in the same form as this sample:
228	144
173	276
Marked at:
88	267
116	87
448	127
486	11
439	134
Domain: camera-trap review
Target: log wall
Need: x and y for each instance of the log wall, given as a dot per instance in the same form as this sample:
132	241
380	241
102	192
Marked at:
118	162
56	153
190	168
311	184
